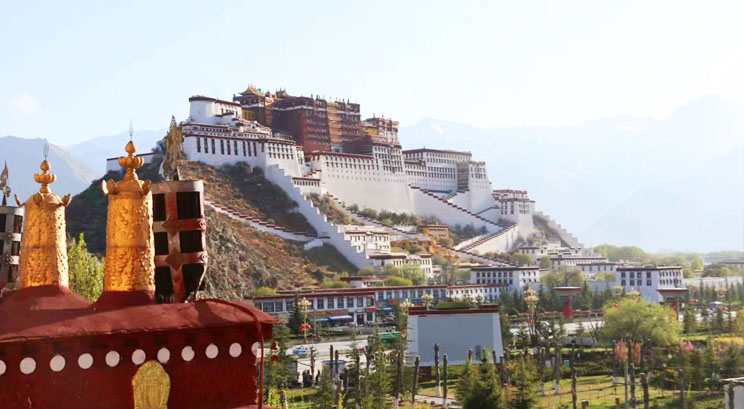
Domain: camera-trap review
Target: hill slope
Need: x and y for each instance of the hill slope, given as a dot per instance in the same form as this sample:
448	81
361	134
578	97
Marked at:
241	258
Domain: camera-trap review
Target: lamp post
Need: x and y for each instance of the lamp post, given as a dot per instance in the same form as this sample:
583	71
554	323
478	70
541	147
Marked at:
531	299
304	305
427	299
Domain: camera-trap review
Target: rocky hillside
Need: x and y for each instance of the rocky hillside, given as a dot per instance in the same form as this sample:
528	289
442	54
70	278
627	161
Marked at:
241	258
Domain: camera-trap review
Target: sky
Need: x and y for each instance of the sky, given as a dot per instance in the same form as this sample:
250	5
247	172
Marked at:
71	71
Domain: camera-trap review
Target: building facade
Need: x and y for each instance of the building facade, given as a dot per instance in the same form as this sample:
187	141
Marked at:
647	280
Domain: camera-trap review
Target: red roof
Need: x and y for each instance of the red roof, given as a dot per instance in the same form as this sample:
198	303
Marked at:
23	325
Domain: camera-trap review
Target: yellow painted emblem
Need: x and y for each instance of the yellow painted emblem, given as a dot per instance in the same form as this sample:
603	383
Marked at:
151	386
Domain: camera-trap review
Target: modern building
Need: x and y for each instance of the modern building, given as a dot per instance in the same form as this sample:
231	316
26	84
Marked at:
456	331
508	278
648	279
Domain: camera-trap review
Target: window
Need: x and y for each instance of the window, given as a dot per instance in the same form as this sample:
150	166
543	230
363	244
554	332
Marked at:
222	146
648	282
370	301
268	306
350	302
206	145
330	303
228	148
279	306
236	147
213	148
198	144
290	305
340	303
321	304
360	301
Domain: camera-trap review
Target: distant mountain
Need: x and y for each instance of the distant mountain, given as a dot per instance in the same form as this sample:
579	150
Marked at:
95	151
24	157
620	179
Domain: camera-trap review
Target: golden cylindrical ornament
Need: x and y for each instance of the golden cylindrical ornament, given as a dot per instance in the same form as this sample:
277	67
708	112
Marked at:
130	256
43	259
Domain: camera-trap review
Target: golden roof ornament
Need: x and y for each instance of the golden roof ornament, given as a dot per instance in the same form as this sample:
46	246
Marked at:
43	260
173	151
130	256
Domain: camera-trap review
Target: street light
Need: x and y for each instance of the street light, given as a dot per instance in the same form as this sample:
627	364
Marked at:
304	305
427	299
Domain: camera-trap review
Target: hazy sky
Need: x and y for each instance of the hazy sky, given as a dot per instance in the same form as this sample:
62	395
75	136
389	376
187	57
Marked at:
71	71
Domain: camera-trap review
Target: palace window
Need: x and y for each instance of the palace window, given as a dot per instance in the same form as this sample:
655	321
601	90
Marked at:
198	144
320	304
350	302
206	145
331	302
228	148
236	147
340	303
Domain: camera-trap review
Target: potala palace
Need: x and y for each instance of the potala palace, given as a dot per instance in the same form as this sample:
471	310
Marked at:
308	145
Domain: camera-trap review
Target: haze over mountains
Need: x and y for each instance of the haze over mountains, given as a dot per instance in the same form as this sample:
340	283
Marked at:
24	157
670	184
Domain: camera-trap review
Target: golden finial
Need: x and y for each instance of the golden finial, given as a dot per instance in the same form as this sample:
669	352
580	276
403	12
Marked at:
45	178
131	162
44	247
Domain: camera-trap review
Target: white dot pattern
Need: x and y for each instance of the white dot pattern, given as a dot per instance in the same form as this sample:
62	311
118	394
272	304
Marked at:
57	363
85	361
28	365
235	350
112	358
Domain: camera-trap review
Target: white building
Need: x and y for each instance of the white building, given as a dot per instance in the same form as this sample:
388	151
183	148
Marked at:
590	270
374	173
648	279
401	259
505	278
369	239
569	261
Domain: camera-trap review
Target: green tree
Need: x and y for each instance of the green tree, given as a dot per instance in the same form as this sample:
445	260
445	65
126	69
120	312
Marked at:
466	383
377	382
566	277
85	270
486	391
688	321
296	318
398	281
524	395
263	290
635	319
521	259
325	397
545	262
412	272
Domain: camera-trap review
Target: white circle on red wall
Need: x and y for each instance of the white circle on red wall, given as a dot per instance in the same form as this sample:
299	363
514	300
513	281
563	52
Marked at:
57	363
187	353
163	355
28	365
85	361
235	350
138	357
254	348
112	358
212	351
2	367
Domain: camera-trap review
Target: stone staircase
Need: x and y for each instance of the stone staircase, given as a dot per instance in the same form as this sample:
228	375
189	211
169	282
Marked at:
261	224
486	238
466	211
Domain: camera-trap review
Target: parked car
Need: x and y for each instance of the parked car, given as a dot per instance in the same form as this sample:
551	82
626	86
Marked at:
301	351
